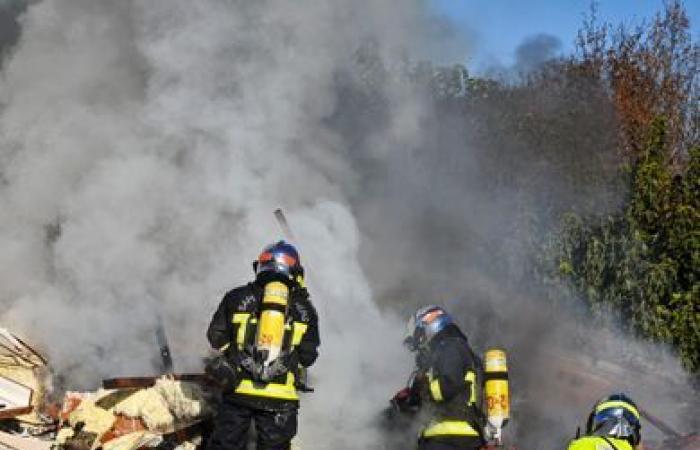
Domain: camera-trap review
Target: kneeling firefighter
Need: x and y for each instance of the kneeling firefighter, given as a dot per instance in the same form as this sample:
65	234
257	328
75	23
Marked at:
447	382
612	425
267	334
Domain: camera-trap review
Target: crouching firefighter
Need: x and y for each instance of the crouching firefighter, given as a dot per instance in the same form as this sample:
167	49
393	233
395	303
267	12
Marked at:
612	425
267	334
446	383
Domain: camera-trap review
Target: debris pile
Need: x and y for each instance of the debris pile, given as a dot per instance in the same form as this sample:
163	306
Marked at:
23	375
172	412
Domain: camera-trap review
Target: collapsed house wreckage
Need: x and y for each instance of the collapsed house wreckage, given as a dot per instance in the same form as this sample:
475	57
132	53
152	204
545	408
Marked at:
167	412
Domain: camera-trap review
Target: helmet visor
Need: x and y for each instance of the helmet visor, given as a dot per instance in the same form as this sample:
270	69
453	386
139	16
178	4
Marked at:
277	262
616	422
410	340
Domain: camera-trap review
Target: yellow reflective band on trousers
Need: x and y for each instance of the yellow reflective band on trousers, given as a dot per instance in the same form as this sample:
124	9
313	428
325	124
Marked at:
617	404
449	428
285	391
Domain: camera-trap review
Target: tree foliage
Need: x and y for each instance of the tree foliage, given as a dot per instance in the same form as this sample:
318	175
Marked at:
587	166
641	265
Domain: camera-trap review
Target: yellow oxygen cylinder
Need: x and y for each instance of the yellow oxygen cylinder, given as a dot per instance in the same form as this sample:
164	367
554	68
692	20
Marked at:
496	391
272	319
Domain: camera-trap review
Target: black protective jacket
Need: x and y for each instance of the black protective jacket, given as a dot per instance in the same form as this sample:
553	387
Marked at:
223	331
447	362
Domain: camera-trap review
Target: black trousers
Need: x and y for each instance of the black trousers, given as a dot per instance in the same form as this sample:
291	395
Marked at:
275	428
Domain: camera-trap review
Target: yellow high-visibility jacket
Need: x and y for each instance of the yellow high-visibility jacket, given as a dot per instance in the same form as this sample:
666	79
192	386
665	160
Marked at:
599	443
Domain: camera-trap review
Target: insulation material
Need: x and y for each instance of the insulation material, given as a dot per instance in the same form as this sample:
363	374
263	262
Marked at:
186	401
167	402
71	401
95	419
63	435
150	406
187	445
126	419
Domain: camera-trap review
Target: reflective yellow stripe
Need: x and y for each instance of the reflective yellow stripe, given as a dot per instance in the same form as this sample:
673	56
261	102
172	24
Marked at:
299	331
617	404
471	377
435	390
285	391
224	347
242	320
449	428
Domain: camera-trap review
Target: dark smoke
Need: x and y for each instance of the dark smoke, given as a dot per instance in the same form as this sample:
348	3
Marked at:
535	51
9	25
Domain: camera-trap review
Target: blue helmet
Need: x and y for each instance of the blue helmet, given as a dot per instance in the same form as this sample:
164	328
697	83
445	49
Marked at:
615	416
425	324
280	258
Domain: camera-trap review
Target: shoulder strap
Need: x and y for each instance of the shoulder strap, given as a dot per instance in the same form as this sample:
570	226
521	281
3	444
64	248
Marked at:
614	447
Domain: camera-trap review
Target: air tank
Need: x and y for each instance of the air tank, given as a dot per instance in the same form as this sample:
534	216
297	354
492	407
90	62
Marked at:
272	320
496	391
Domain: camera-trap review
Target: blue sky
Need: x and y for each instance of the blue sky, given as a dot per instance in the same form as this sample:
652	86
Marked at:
496	27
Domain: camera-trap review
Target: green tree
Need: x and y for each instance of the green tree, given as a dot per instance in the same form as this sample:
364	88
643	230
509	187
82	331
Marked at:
642	266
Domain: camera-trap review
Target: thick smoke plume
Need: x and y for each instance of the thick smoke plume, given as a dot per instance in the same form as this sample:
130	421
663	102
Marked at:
144	146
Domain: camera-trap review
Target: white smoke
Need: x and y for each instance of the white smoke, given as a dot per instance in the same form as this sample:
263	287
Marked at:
143	148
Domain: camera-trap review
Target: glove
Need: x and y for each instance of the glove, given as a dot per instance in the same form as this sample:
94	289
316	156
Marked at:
276	368
221	371
406	400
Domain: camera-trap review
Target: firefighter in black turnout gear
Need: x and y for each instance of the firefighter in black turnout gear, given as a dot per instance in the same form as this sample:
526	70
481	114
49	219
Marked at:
267	334
446	384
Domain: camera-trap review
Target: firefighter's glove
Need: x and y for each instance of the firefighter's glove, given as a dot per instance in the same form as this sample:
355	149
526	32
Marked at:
221	371
406	400
276	368
253	367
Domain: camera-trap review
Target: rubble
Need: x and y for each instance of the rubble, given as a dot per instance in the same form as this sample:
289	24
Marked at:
172	411
130	418
22	382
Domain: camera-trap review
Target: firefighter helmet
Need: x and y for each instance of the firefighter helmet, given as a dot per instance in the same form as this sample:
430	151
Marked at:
280	258
615	416
425	324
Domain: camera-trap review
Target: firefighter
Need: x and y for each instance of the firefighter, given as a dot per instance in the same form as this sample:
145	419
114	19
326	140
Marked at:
261	368
612	425
446	383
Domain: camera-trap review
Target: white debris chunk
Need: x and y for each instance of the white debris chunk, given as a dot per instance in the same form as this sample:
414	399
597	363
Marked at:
96	420
150	406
